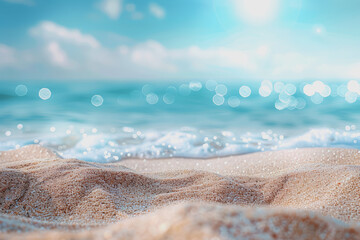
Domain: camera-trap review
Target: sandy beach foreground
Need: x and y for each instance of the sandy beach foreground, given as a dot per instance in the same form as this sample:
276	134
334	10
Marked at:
292	194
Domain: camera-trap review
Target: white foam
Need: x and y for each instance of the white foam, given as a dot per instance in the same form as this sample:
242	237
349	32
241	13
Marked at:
189	143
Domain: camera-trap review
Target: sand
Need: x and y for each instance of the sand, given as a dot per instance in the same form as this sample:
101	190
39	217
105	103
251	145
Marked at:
291	194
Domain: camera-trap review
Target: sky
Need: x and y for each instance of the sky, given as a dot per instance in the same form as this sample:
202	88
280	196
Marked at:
179	39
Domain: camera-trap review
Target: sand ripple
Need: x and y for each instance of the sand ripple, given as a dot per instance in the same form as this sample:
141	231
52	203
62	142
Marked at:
41	191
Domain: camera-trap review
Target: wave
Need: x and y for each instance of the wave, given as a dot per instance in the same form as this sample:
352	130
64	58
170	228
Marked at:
184	143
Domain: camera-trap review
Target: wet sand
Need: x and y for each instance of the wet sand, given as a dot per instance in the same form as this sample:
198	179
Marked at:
291	194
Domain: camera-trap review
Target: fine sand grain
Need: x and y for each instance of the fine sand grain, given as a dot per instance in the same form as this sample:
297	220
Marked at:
292	194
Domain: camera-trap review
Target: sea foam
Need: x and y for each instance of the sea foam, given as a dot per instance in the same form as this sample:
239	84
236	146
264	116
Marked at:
128	143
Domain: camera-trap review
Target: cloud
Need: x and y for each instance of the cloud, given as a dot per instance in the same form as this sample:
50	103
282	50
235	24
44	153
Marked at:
63	53
291	64
112	8
135	15
82	56
157	11
57	55
23	2
295	65
263	51
153	55
53	32
354	70
219	57
7	56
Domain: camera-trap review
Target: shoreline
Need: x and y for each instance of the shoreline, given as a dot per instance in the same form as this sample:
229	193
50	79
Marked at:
41	191
267	163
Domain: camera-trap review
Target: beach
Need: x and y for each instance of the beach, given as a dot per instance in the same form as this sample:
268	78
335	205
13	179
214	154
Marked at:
172	120
310	193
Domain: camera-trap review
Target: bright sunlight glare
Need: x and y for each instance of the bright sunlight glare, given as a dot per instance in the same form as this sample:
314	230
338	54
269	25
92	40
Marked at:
257	11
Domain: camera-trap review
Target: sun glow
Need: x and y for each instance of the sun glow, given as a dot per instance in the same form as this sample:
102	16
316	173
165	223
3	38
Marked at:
257	11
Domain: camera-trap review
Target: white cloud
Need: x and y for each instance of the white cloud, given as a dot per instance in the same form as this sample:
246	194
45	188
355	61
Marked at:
152	54
292	64
157	10
64	53
354	70
52	32
7	56
57	55
263	51
23	2
112	8
207	59
146	60
135	15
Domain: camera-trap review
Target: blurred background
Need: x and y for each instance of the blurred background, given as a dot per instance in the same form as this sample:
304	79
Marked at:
187	39
104	80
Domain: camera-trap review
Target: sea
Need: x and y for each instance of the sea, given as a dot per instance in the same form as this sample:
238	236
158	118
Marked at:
108	121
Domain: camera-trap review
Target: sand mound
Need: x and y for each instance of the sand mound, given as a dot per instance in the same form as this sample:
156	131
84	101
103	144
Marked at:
208	221
242	197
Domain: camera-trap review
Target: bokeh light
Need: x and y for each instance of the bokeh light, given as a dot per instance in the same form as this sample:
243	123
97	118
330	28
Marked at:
44	93
245	91
266	88
221	90
233	101
169	98
218	99
211	85
152	98
195	86
21	90
97	100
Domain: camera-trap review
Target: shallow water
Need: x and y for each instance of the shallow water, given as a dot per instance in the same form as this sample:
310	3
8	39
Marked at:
110	121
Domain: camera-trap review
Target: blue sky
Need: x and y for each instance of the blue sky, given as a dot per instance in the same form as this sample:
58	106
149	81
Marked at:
179	39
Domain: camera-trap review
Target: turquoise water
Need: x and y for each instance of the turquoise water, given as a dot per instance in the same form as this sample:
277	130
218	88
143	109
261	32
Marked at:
109	121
